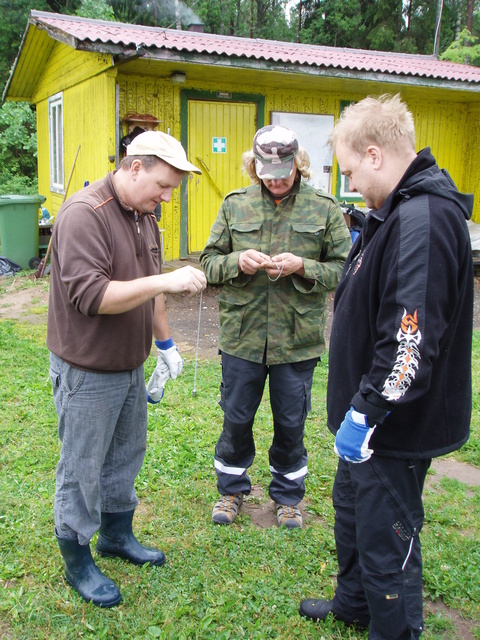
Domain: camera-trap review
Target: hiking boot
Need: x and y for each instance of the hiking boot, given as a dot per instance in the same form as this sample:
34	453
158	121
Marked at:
289	515
226	509
318	610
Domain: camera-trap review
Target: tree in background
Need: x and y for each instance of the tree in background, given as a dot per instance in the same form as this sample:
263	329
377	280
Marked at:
383	25
96	9
18	148
465	50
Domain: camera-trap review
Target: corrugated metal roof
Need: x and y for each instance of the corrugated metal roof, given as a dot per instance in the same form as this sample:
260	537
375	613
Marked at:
99	35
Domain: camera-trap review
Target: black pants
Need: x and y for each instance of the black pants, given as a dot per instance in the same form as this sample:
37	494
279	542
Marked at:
378	517
242	387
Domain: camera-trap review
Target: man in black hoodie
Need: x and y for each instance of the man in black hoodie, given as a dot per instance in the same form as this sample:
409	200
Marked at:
399	389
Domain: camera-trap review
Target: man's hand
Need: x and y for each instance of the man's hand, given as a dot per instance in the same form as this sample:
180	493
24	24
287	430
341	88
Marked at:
168	353
251	260
156	384
286	263
185	280
351	441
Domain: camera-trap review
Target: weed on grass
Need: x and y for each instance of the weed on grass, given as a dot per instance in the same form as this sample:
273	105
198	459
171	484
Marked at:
233	582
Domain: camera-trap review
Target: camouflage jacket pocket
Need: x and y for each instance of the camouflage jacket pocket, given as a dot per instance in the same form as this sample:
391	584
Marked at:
246	235
307	239
308	324
232	311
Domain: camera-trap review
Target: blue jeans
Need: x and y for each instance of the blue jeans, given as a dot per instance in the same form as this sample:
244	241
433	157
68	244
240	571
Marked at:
102	424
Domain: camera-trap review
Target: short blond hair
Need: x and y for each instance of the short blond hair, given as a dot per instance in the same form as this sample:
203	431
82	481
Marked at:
382	120
302	162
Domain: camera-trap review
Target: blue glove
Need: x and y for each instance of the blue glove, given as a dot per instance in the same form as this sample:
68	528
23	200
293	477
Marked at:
351	441
156	384
168	352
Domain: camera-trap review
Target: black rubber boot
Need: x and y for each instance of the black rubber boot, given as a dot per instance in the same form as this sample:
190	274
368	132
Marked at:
84	576
318	610
116	539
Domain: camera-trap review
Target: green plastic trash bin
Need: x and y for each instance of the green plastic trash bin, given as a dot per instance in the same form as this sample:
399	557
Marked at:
19	227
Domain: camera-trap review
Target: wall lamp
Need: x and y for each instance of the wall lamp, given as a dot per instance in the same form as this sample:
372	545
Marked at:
178	77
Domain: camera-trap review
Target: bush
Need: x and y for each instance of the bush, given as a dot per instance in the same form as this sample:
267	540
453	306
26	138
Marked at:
18	148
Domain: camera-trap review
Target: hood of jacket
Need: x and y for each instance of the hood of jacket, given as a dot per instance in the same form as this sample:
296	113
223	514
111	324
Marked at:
424	176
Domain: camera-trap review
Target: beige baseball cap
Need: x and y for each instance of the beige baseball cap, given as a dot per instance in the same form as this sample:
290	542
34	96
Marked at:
168	148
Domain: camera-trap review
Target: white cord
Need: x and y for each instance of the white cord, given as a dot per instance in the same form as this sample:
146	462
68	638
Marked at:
279	268
194	390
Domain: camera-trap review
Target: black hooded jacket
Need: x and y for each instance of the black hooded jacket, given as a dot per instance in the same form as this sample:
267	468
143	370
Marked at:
400	347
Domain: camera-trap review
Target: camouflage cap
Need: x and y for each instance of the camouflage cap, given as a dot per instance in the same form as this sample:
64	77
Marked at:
274	148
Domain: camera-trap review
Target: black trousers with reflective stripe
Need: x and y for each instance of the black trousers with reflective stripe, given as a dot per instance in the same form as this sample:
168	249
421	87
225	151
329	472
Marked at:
378	518
242	388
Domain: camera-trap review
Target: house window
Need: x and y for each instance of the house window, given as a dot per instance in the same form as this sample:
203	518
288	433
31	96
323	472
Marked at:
55	134
344	193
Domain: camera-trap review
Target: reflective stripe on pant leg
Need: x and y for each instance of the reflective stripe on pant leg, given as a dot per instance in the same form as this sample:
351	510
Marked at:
241	392
290	399
389	520
234	453
288	465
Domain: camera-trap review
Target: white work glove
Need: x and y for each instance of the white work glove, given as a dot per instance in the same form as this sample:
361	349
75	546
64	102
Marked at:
168	352
156	384
351	441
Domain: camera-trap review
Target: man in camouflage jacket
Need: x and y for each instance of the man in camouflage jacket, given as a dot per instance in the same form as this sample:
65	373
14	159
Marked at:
277	248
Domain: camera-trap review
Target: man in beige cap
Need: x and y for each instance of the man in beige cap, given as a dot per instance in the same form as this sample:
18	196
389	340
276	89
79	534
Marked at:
106	304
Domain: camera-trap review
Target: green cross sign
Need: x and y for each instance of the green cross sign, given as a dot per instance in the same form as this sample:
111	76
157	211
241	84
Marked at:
219	145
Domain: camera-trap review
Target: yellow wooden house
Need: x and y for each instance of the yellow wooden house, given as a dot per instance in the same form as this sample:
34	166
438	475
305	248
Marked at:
94	81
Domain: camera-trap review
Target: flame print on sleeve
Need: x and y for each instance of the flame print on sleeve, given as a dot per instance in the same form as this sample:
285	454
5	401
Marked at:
408	358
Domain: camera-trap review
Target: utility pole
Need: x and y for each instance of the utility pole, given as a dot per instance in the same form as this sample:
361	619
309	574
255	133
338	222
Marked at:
438	22
299	20
178	23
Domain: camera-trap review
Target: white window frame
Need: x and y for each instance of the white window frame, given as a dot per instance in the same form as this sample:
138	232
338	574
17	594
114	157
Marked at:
55	137
344	192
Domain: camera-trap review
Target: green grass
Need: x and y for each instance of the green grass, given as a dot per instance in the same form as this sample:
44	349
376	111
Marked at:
219	582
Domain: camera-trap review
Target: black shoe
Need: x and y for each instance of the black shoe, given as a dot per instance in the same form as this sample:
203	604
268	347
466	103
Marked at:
85	577
318	610
116	540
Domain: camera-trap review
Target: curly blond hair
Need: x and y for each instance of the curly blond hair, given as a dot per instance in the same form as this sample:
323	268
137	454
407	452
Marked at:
302	162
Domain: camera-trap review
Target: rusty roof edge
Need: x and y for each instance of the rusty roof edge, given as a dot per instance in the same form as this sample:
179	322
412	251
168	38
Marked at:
268	64
158	53
54	32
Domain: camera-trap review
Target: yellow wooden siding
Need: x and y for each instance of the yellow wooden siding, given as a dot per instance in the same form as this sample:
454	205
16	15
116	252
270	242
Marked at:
472	157
158	98
448	127
91	128
222	172
66	68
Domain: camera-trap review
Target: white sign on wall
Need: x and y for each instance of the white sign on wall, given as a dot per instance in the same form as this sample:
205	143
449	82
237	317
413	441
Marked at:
312	131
